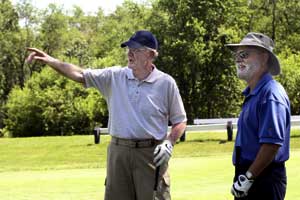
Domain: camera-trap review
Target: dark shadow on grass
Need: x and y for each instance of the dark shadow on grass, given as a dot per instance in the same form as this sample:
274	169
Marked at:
207	140
220	141
82	145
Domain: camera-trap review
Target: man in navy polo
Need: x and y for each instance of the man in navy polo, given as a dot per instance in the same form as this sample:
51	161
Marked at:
263	136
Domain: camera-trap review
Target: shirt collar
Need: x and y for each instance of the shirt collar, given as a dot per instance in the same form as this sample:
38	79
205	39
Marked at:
153	76
266	78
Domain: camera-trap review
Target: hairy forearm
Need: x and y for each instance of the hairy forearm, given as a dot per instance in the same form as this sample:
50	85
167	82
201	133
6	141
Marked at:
264	157
176	132
68	70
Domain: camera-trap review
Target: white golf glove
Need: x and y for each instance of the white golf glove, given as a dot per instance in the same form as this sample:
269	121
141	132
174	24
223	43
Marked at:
162	152
241	187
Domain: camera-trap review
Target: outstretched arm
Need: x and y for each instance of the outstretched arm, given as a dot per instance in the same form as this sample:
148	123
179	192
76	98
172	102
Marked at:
70	71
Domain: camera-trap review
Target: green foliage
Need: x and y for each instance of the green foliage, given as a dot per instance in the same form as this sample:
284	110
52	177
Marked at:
8	55
24	114
191	33
115	29
52	105
53	29
290	78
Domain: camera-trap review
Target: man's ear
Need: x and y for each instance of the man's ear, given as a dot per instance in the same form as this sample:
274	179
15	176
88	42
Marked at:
151	54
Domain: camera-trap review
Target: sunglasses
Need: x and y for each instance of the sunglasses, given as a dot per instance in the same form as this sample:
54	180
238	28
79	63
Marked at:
241	54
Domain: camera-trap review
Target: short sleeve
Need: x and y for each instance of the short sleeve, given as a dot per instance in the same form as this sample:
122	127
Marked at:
98	78
176	112
273	117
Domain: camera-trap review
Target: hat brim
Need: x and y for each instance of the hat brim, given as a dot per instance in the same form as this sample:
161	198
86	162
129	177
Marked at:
274	67
131	44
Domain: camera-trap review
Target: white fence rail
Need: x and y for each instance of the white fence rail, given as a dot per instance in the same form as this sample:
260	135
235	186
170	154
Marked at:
217	124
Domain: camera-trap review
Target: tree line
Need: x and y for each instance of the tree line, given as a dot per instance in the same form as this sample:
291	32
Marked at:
36	101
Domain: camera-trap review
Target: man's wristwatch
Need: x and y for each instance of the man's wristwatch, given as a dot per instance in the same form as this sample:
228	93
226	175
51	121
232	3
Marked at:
249	175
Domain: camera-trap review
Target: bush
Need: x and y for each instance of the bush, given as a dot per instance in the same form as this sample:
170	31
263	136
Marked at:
50	104
290	78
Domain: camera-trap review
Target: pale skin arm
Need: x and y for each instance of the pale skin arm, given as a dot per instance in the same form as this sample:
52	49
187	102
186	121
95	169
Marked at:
265	156
176	132
68	70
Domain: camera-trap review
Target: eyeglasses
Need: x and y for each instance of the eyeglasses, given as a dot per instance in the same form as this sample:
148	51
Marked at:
135	50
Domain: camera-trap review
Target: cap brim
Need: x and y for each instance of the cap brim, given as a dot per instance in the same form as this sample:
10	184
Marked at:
131	44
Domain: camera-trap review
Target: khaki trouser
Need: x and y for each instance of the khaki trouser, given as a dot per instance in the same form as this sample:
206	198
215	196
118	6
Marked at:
131	172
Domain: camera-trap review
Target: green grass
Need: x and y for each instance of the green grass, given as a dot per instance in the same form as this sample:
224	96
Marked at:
198	178
44	153
73	168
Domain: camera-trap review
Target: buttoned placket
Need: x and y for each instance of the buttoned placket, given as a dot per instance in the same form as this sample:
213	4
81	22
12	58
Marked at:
135	91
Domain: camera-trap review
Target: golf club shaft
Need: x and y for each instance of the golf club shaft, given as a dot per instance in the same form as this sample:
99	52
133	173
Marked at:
156	178
156	182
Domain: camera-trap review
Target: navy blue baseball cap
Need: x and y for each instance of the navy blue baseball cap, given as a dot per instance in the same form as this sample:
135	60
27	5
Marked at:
141	39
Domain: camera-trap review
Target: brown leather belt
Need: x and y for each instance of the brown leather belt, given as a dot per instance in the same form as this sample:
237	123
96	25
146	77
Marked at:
135	143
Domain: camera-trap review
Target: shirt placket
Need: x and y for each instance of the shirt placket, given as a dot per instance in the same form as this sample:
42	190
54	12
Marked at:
134	92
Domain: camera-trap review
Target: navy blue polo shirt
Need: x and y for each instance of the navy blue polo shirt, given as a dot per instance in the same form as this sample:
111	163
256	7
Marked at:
265	118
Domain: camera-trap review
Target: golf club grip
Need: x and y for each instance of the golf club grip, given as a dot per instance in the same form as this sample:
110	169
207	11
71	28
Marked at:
156	178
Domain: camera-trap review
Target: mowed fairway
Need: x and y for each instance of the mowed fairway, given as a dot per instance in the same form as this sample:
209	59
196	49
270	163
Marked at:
73	168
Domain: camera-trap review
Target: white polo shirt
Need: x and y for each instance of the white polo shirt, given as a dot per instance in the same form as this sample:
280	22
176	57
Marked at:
138	109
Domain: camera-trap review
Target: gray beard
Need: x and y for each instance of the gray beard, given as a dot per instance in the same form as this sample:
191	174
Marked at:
247	74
